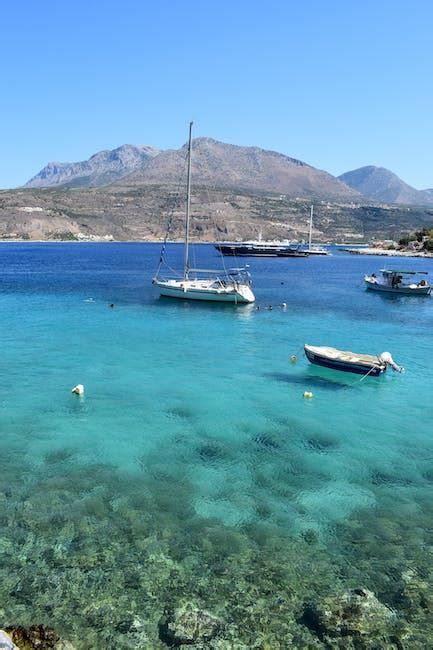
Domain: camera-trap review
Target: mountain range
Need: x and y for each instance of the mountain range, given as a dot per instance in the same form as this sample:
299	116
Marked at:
220	165
215	165
129	193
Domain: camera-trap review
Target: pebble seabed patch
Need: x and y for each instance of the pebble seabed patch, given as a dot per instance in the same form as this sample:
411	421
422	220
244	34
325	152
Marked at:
110	563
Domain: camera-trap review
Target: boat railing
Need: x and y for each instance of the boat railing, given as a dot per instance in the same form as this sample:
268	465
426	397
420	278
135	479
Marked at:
222	276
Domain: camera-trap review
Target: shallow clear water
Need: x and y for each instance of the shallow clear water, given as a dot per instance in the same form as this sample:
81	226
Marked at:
194	446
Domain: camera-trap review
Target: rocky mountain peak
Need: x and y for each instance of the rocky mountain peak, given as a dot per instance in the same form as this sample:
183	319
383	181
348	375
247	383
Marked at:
102	168
383	185
217	164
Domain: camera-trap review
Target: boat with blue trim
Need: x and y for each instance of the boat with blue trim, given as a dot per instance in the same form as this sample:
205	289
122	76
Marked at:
395	282
361	364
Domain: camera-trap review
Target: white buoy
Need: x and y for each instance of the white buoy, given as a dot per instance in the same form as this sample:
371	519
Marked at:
78	389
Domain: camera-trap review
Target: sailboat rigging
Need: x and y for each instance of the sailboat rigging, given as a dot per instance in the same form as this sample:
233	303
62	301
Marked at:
314	249
233	285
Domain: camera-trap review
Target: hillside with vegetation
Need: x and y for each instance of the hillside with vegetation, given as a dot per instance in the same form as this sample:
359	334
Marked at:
140	213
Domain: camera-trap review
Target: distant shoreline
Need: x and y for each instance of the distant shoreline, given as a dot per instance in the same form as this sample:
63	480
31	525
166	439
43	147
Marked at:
361	250
387	253
91	241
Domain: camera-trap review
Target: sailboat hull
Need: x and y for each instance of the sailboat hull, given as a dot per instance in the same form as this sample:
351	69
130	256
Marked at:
230	287
190	290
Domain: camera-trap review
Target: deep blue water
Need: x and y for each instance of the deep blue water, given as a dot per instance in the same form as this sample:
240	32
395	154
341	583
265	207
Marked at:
197	408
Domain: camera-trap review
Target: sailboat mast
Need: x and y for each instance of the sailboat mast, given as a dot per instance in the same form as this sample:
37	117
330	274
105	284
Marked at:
311	228
188	202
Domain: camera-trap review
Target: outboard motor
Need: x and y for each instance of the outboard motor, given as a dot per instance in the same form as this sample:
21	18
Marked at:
386	357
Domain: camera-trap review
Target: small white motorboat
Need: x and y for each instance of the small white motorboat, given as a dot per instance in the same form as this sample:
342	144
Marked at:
399	282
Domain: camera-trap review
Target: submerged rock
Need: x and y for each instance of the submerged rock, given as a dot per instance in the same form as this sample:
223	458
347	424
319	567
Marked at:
64	645
186	626
356	612
36	636
414	595
6	642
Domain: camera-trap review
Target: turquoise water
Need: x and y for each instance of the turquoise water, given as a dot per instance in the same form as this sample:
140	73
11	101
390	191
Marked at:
193	469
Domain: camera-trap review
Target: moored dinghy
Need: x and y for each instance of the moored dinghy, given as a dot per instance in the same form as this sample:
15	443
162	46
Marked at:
361	364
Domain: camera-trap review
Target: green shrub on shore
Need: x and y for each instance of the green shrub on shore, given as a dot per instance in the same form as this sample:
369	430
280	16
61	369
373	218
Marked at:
63	236
425	235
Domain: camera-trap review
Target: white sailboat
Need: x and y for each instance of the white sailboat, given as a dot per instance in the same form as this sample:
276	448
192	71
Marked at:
314	249
233	285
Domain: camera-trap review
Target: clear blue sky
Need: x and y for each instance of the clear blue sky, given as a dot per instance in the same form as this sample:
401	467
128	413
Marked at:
338	84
